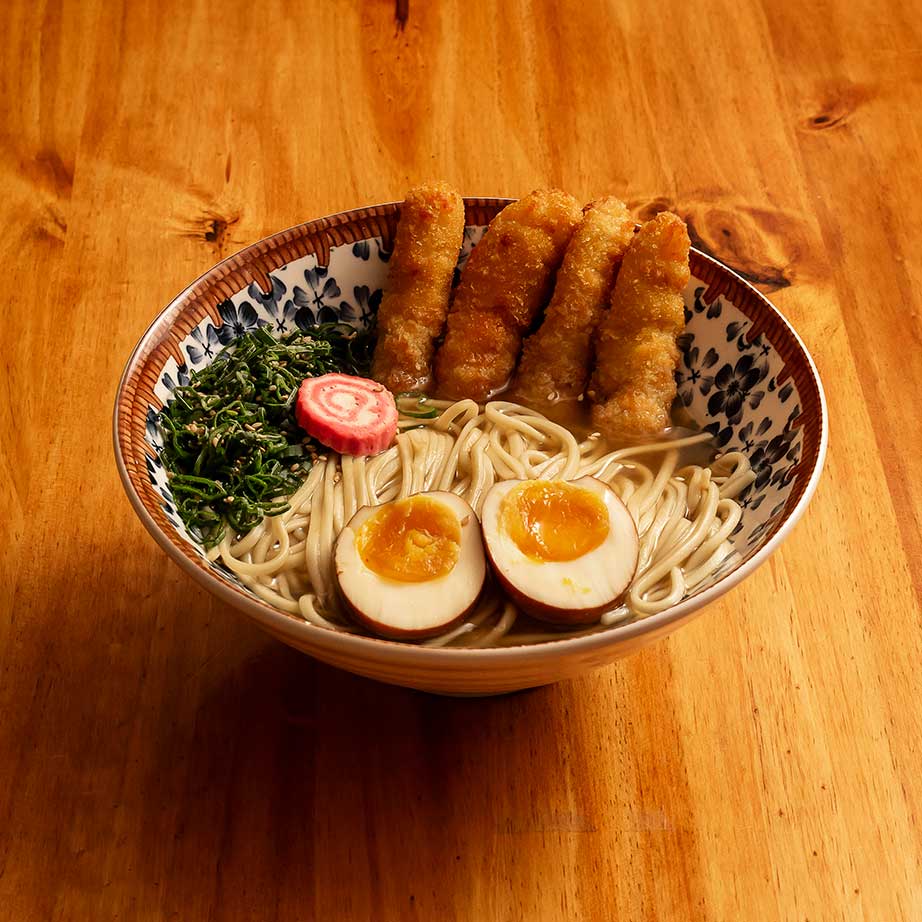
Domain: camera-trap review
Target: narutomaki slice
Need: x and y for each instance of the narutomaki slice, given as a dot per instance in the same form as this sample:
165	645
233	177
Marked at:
354	416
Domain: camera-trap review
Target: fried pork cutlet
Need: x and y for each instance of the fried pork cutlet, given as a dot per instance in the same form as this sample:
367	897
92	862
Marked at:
633	385
505	284
557	359
415	302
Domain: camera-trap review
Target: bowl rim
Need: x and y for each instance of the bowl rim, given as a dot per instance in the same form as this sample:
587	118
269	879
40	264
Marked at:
393	652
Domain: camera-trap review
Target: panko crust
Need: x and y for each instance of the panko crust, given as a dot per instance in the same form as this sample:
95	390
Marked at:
633	384
504	285
415	303
557	359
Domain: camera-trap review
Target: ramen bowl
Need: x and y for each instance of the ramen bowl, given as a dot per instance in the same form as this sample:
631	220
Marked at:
745	377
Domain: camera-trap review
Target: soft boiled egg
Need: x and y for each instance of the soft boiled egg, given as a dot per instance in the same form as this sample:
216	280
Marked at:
413	567
564	551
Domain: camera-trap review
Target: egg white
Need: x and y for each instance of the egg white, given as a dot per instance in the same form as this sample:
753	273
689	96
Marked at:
393	608
564	592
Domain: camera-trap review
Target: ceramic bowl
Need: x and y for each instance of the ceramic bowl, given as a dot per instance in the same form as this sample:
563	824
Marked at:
745	376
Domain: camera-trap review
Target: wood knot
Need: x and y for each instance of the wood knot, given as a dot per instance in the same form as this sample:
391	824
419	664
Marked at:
762	245
401	13
212	228
825	121
216	228
55	173
50	225
837	103
645	209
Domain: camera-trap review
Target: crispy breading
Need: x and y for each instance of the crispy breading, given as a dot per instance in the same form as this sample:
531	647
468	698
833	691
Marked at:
415	302
633	385
557	359
505	284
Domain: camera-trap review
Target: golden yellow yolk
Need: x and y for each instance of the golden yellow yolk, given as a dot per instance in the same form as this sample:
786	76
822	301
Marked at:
412	540
553	520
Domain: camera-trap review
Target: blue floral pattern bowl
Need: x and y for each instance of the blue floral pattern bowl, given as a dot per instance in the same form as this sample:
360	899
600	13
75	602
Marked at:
745	377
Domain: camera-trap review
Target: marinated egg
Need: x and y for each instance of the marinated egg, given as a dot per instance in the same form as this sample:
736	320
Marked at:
564	551
413	567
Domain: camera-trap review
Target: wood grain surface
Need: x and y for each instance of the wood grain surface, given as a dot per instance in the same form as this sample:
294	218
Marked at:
160	759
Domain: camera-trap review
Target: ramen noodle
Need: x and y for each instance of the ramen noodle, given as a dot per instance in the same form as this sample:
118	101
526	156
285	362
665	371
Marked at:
685	513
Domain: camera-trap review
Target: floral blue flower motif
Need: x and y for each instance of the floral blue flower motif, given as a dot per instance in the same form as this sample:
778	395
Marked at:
468	244
725	567
367	302
237	320
384	254
763	527
361	249
208	341
283	316
152	464
760	530
182	378
692	372
786	392
152	427
766	455
782	477
271	299
749	499
306	317
722	435
321	291
712	310
735	387
735	328
762	345
745	435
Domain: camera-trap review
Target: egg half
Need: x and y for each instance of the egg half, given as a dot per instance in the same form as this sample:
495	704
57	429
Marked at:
413	567
564	551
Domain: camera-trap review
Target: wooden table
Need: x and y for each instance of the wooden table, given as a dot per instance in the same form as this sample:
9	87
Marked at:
160	759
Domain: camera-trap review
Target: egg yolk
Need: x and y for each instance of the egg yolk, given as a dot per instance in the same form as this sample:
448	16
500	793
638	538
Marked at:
553	520
411	540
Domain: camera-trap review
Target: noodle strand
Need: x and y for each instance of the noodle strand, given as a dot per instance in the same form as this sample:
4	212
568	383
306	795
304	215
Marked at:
685	517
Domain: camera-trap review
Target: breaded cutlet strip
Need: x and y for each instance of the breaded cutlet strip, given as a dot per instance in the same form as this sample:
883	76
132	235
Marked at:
505	283
633	385
557	359
415	302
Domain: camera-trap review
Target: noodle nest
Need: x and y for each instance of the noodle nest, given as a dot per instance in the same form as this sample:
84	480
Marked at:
684	515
